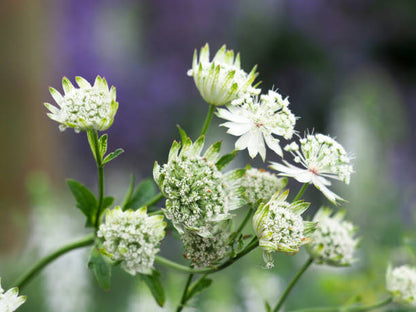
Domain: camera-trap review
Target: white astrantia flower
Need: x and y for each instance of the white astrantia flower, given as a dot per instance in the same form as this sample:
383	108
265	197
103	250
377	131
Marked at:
198	194
257	120
84	108
221	80
10	300
401	283
261	185
206	251
280	228
333	242
132	237
322	157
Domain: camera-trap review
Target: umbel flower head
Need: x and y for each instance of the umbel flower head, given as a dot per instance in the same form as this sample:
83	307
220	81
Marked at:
206	251
197	193
322	157
133	238
280	228
401	283
257	121
10	300
333	242
221	80
261	185
84	108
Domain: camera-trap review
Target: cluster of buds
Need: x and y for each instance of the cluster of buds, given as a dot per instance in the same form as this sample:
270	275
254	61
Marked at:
401	283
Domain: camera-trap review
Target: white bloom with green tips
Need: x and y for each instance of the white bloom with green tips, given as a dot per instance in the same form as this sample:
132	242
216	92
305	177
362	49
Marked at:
132	237
321	157
280	228
333	242
257	121
221	80
401	283
10	300
198	194
85	108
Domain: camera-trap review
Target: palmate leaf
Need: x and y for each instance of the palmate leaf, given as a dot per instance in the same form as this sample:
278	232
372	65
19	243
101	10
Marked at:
155	286
86	201
101	268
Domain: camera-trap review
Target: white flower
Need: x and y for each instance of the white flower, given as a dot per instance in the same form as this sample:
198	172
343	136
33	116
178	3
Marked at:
279	226
221	80
84	108
198	194
333	242
322	157
132	237
10	300
401	283
256	120
261	185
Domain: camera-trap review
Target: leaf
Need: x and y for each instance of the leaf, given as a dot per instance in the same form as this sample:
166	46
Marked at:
155	286
182	133
198	287
102	143
86	200
268	307
225	160
144	191
107	201
129	193
101	268
113	155
92	139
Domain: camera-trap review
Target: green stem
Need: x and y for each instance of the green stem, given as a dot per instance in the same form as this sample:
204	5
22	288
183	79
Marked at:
154	200
194	285
243	224
208	119
25	278
301	191
185	293
291	284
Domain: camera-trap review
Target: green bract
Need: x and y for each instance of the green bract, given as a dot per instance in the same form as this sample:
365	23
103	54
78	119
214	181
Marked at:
333	242
221	80
198	194
84	108
280	228
133	238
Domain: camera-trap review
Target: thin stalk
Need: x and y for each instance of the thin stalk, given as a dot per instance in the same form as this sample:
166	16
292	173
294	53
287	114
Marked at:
301	191
243	224
291	284
26	277
208	119
185	293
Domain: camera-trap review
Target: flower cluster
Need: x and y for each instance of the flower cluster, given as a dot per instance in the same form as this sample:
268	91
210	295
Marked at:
256	120
322	157
333	242
84	108
221	80
261	185
401	283
10	300
197	193
279	226
132	237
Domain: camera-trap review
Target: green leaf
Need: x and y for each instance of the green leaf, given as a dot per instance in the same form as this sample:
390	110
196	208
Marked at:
129	193
198	287
101	268
268	307
182	133
86	200
112	155
144	192
225	160
102	142
108	201
155	286
92	139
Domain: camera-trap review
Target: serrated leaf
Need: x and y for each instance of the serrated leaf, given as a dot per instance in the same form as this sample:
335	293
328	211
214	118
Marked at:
225	160
101	268
85	199
182	133
144	191
198	287
103	144
155	286
113	155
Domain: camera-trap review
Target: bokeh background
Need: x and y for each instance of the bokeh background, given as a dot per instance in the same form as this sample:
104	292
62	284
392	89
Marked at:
348	67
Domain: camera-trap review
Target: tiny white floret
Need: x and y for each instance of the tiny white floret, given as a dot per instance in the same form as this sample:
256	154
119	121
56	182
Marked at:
10	300
401	283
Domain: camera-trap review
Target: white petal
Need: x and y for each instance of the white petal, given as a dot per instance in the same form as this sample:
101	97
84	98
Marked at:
273	144
242	142
255	144
319	182
232	114
236	129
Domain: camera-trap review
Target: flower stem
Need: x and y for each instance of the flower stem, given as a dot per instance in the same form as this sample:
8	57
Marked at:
242	225
292	283
25	278
208	119
185	298
301	191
